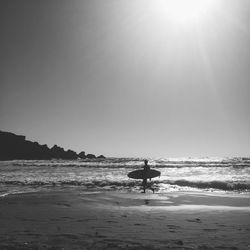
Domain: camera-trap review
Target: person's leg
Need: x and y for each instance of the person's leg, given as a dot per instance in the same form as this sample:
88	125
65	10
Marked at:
144	183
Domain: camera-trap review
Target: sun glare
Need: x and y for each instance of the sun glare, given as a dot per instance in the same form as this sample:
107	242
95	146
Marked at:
185	11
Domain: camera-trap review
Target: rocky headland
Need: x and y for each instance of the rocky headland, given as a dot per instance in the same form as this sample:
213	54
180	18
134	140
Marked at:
16	147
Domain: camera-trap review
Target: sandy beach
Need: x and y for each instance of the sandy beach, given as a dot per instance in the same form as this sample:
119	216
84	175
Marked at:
119	220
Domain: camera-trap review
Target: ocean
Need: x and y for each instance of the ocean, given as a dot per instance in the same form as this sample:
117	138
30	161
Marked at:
110	174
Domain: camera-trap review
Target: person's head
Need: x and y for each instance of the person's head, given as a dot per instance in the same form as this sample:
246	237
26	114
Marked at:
146	162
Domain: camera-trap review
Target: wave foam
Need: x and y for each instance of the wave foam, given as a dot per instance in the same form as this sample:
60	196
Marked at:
217	185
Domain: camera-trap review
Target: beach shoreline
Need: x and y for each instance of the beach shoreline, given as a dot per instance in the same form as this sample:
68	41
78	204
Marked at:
124	220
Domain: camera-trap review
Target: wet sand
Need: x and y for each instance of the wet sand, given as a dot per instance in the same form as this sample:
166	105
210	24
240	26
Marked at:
113	220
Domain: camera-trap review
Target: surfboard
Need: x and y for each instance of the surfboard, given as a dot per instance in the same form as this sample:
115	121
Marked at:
141	174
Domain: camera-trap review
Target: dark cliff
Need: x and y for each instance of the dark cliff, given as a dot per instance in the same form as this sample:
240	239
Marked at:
14	147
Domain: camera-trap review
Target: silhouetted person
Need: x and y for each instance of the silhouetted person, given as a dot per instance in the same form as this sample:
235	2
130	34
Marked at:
146	169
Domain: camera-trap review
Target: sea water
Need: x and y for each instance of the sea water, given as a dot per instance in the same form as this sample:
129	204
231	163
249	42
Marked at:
110	174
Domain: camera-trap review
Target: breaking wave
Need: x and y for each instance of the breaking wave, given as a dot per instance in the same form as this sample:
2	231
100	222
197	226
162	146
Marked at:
99	184
207	174
133	163
217	185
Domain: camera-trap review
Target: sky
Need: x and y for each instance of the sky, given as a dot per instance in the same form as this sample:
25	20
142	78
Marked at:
146	78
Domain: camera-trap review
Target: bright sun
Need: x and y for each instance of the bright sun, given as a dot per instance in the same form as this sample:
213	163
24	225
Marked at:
185	11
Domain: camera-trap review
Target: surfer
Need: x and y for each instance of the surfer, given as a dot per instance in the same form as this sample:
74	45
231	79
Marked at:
146	169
